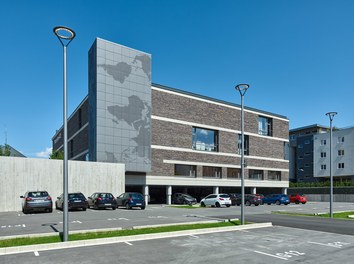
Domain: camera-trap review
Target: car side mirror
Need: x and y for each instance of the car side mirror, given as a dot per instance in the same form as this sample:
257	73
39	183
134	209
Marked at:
22	197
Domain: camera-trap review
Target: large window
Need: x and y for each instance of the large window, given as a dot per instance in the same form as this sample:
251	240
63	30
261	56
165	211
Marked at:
255	175
204	139
185	170
265	126
233	173
239	145
274	175
341	152
214	172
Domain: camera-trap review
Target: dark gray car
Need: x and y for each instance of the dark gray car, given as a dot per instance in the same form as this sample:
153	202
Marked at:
36	201
183	198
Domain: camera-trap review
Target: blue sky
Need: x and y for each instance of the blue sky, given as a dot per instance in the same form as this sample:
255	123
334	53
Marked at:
298	56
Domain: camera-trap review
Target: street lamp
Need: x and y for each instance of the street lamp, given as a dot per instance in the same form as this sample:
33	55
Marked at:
242	88
331	116
65	36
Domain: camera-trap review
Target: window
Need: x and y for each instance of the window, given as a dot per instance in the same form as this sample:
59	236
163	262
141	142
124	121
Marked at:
233	173
323	154
255	175
300	146
265	126
239	145
341	152
214	172
323	142
274	176
301	157
307	154
204	139
185	170
323	166
340	139
80	118
340	165
307	165
307	141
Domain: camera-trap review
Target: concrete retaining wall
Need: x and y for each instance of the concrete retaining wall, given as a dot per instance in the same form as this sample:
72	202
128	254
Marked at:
18	175
348	198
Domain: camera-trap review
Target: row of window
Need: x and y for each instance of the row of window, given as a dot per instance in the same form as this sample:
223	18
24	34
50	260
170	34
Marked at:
339	140
340	153
216	172
339	166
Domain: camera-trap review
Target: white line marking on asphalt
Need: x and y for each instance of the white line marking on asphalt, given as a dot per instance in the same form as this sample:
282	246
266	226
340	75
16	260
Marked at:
122	218
321	244
126	242
36	253
270	255
19	214
194	236
23	225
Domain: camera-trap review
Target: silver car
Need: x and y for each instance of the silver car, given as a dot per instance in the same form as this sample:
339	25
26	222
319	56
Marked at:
216	200
37	201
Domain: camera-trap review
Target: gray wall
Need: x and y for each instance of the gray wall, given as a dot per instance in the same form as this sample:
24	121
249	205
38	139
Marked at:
18	175
120	93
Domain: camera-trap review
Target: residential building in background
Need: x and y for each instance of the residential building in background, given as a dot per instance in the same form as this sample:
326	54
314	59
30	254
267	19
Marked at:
301	152
171	140
12	151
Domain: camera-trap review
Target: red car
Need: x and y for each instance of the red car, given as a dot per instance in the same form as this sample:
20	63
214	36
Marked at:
298	198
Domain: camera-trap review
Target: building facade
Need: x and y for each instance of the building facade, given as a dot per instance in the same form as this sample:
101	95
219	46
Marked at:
342	155
169	139
301	166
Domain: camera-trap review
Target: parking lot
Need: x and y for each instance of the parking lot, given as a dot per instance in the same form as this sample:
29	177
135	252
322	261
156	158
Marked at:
17	223
263	245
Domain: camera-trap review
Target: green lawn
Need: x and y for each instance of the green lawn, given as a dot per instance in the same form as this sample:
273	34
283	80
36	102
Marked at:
343	215
128	232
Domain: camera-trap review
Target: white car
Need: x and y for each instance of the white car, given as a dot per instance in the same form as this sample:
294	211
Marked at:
216	200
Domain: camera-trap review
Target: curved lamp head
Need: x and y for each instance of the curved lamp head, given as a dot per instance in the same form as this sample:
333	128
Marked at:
331	115
64	34
242	88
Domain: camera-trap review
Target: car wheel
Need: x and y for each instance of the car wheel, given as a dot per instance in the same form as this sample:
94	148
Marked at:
49	210
114	208
202	204
268	203
227	205
256	204
303	202
217	204
56	206
238	204
142	208
83	208
277	202
297	202
248	203
24	211
88	206
127	206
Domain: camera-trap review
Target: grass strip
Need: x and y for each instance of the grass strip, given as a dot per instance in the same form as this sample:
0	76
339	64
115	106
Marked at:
341	215
126	232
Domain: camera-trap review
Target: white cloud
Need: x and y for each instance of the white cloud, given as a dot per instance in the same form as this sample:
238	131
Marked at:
45	153
203	132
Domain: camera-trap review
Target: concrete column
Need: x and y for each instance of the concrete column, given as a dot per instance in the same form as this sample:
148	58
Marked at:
285	190
168	194
216	189
253	190
146	194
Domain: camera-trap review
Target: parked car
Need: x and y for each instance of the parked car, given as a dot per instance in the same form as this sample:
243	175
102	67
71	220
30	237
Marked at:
183	198
233	197
261	196
100	200
75	201
298	198
37	201
249	200
277	199
131	199
216	200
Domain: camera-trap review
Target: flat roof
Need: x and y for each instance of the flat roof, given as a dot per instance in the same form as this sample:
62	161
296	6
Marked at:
214	99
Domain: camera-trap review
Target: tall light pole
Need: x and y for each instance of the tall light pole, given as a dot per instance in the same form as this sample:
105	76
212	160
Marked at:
65	36
331	116
242	88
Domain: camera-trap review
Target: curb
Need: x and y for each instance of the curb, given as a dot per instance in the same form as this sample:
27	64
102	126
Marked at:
112	240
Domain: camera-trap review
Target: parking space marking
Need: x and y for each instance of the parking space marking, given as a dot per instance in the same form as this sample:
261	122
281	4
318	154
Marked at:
159	216
333	244
36	253
194	236
270	255
116	219
13	226
126	242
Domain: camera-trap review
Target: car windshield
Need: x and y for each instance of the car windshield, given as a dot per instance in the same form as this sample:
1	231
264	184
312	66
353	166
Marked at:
136	196
37	194
105	195
188	196
76	196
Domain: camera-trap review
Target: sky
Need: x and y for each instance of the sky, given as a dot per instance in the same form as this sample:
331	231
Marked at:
297	57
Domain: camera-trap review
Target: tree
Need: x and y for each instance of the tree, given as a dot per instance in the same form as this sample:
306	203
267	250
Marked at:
59	155
5	150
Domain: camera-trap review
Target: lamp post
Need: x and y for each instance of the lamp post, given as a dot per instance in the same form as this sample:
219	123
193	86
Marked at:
65	36
242	88
331	116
